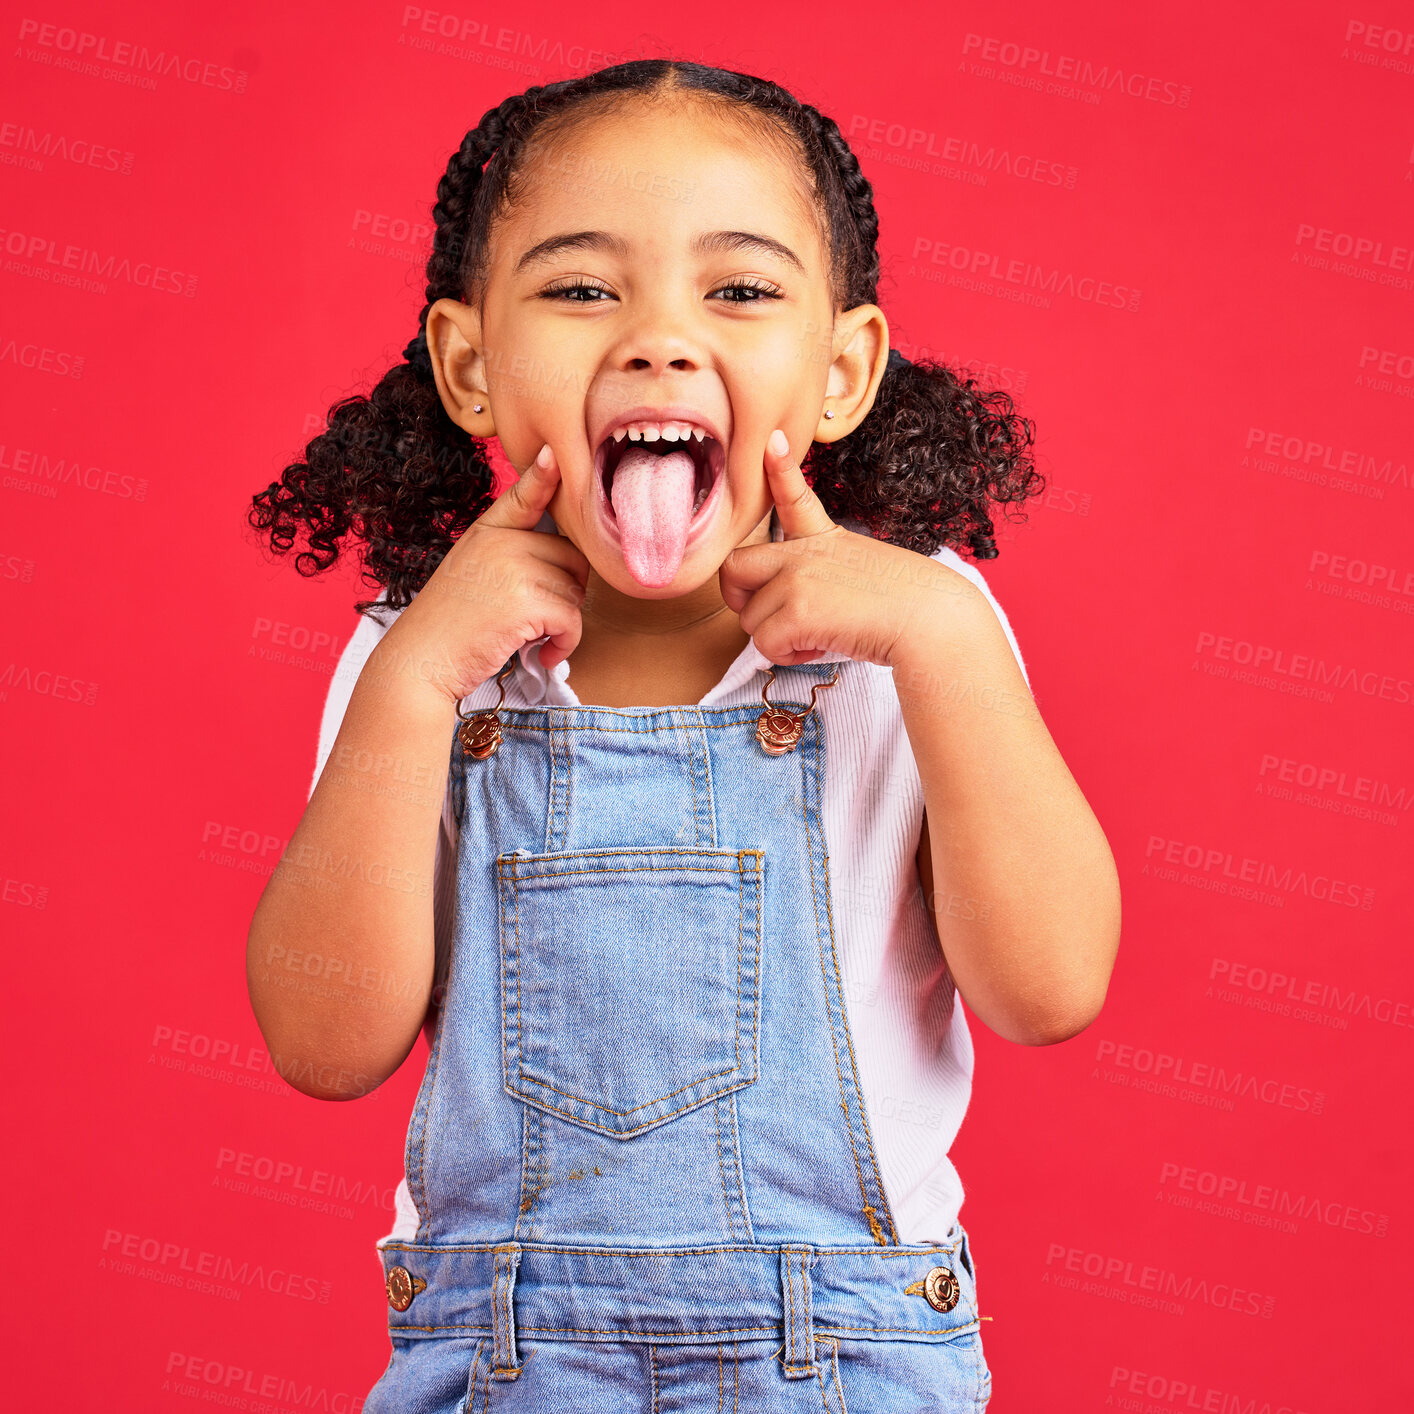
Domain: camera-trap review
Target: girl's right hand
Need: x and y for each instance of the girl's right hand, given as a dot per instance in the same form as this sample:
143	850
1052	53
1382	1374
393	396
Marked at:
502	585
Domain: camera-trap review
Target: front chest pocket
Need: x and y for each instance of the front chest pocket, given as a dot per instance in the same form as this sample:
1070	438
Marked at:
630	981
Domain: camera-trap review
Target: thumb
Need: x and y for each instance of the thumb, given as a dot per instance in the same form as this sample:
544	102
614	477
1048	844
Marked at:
521	505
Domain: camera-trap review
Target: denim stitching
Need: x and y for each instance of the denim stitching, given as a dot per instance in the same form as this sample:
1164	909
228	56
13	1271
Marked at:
711	810
503	1342
567	813
945	1333
692	784
429	1085
744	714
526	1198
533	1167
814	745
711	862
984	1393
638	1128
808	1315
561	788
559	765
765	1249
510	903
798	1331
938	1337
542	1160
844	1013
738	1176
745	881
758	886
741	1173
834	1376
496	1307
800	1328
689	769
468	1403
789	1351
722	1167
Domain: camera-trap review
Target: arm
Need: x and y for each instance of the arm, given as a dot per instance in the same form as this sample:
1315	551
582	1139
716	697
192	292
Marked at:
1008	837
340	955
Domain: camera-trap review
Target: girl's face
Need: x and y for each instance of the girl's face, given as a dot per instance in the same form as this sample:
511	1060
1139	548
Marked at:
662	259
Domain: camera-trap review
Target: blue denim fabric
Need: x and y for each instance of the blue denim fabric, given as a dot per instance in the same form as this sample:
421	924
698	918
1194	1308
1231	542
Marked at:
639	1154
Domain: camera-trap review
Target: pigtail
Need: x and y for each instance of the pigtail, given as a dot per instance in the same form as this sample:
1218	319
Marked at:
924	469
392	469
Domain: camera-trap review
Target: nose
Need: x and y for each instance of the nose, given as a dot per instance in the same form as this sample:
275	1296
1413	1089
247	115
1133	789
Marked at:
656	355
649	364
659	340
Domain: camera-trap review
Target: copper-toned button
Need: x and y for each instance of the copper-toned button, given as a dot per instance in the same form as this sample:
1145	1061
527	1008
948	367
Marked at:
402	1287
941	1288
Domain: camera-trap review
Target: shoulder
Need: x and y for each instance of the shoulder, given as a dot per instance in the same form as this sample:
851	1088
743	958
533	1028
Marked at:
946	555
362	642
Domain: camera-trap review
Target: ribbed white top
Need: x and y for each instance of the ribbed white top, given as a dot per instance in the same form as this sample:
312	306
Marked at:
911	1041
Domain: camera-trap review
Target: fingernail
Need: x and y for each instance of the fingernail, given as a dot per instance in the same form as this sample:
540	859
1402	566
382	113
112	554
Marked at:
778	443
543	457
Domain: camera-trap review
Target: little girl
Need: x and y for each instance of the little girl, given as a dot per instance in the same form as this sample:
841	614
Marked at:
679	794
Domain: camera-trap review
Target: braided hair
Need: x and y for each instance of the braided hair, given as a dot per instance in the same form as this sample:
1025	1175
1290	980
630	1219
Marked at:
396	475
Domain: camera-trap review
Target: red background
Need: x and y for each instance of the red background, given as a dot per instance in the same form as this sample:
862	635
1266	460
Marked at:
1228	447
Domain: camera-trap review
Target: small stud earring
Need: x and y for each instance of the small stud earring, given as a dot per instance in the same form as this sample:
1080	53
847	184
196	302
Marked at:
476	407
829	412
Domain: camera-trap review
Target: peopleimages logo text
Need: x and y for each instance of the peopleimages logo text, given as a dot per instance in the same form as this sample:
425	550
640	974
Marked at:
99	55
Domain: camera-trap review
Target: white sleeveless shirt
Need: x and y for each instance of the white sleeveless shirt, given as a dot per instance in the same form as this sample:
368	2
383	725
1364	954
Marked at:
909	1032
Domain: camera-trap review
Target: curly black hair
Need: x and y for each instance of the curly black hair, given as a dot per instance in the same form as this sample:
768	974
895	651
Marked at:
395	473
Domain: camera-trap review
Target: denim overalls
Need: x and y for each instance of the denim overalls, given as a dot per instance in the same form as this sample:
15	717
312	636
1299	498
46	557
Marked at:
639	1153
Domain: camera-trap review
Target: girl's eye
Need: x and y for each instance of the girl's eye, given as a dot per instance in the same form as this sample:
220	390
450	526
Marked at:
571	290
752	287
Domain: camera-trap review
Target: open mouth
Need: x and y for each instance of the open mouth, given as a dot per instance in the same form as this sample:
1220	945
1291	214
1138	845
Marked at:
709	459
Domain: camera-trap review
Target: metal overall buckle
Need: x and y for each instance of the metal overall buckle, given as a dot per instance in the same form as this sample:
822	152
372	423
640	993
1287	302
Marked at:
480	732
778	729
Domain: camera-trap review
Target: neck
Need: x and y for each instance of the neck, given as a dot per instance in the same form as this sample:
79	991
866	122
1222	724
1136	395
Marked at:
608	614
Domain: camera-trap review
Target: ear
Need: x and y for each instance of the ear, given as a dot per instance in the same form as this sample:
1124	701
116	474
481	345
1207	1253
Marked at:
861	352
459	365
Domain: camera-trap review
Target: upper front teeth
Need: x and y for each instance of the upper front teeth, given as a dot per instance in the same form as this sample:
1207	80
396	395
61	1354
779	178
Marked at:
651	431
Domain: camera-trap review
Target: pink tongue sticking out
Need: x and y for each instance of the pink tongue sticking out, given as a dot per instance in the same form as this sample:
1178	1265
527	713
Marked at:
652	497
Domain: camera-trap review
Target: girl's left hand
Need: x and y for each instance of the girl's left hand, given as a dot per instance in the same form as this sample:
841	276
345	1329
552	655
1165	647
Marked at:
824	589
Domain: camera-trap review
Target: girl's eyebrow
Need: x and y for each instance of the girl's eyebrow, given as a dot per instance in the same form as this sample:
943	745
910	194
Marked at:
707	242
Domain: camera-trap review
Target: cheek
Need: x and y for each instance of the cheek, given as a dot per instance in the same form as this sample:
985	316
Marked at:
574	499
751	496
